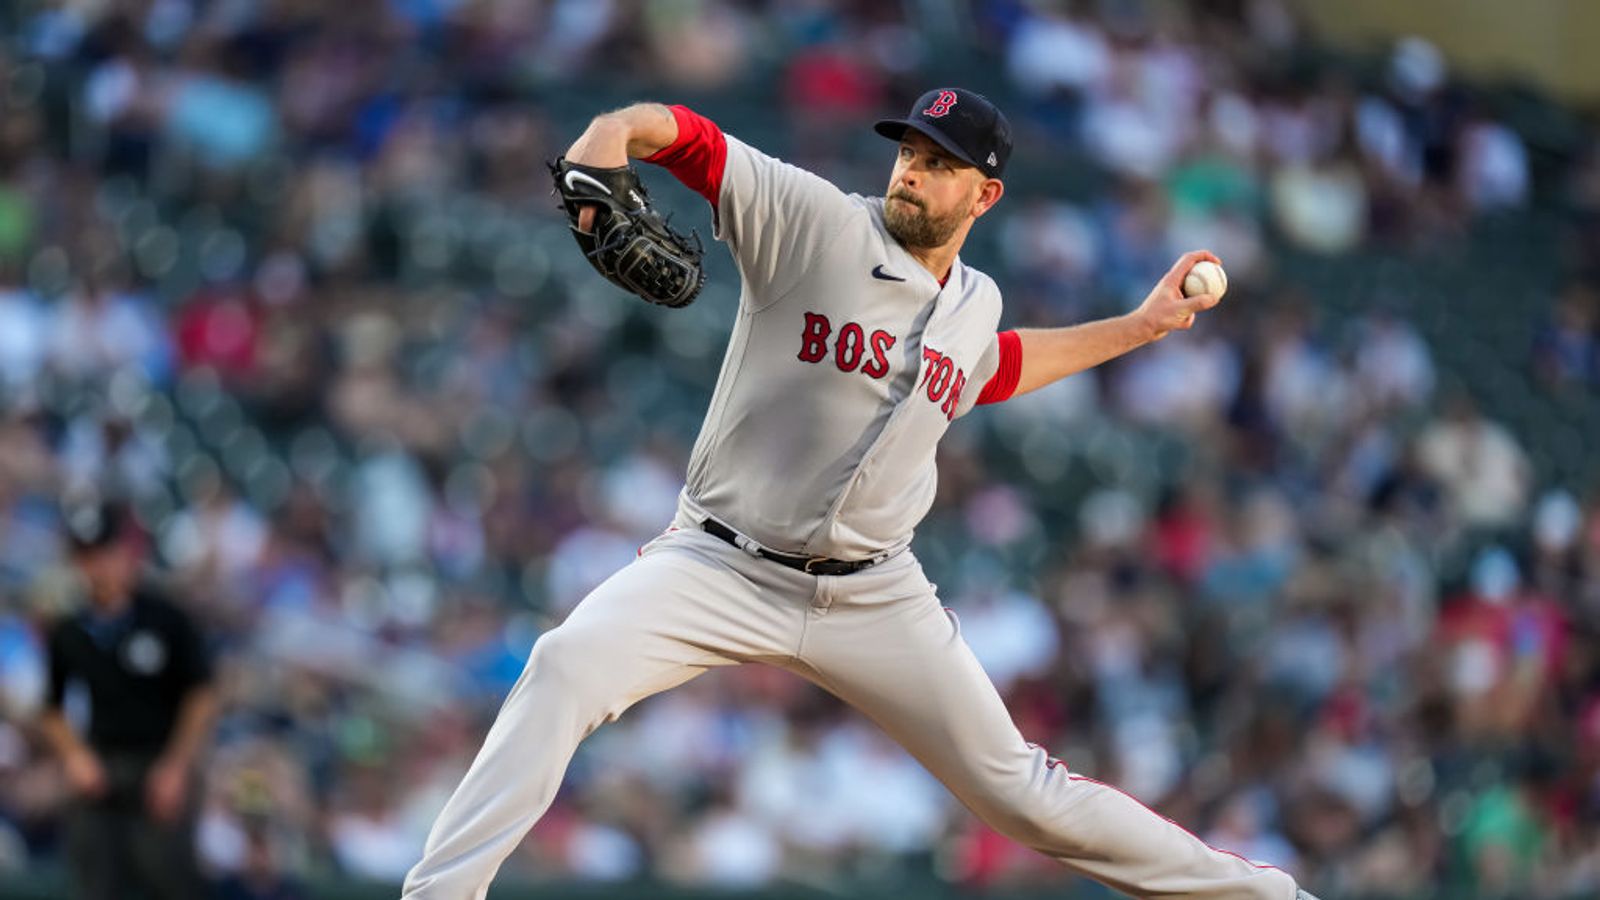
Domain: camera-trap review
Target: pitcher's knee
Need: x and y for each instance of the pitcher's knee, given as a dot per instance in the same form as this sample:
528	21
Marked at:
1026	817
568	659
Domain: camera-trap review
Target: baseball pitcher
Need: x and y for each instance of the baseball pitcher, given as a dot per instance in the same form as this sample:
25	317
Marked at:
860	336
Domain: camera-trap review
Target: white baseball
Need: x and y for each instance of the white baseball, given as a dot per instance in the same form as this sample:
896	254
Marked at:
1205	277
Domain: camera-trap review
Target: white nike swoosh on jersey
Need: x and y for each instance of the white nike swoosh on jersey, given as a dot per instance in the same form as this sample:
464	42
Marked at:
585	178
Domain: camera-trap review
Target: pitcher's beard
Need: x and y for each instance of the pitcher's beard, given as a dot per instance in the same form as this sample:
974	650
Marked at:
913	226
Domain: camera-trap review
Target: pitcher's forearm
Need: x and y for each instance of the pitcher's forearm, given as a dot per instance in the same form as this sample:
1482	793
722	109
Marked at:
1050	354
633	132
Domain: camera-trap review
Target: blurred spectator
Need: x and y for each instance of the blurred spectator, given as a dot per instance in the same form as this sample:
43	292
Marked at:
1321	204
1241	825
1566	350
1484	471
1493	169
1393	363
261	875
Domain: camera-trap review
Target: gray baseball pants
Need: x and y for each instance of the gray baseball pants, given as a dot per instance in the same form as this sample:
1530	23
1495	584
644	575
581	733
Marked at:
878	639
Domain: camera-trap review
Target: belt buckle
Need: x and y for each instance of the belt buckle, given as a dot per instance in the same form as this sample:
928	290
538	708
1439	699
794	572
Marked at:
815	559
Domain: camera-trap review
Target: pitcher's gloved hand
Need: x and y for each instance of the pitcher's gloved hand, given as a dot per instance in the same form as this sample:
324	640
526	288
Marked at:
629	243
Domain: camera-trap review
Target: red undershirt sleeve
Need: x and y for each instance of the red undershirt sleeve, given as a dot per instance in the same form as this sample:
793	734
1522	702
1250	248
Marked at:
1004	381
699	155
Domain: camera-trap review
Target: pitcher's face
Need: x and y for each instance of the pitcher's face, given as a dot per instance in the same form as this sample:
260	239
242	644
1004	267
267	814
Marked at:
931	193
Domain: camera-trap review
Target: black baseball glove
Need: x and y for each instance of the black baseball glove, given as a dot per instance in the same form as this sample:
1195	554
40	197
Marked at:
631	244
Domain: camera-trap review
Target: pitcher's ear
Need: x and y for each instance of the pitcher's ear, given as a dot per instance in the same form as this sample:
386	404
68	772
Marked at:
988	195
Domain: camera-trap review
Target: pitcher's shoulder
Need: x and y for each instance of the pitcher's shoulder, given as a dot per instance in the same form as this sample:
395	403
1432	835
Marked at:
977	284
981	280
870	208
862	216
979	298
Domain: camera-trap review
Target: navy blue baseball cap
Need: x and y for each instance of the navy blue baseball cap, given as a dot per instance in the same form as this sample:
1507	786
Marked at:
964	123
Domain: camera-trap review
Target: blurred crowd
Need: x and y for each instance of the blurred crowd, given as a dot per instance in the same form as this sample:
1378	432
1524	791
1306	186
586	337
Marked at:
286	276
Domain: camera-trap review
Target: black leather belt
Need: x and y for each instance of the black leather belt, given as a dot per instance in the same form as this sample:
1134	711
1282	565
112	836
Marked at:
811	565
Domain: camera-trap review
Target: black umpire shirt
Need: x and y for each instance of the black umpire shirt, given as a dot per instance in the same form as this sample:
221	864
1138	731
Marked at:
137	666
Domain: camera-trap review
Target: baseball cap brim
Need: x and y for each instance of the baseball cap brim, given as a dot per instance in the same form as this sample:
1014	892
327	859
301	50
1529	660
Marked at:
895	129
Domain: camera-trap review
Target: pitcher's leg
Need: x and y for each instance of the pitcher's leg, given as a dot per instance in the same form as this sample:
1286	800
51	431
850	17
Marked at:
903	663
657	623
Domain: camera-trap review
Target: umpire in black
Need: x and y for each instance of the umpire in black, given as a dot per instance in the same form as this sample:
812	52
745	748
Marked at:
139	662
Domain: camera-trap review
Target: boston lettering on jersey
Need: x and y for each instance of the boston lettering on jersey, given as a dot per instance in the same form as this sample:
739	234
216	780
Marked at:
942	380
850	347
834	316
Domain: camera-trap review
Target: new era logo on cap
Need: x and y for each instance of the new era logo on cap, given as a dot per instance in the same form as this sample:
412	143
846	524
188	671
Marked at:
965	124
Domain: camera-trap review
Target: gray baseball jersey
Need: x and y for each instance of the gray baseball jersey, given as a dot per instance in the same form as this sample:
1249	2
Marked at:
847	363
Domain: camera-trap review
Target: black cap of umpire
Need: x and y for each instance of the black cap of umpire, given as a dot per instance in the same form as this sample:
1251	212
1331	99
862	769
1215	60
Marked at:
964	123
92	524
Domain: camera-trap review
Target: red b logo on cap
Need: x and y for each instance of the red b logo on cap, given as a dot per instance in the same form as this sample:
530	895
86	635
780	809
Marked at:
941	106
